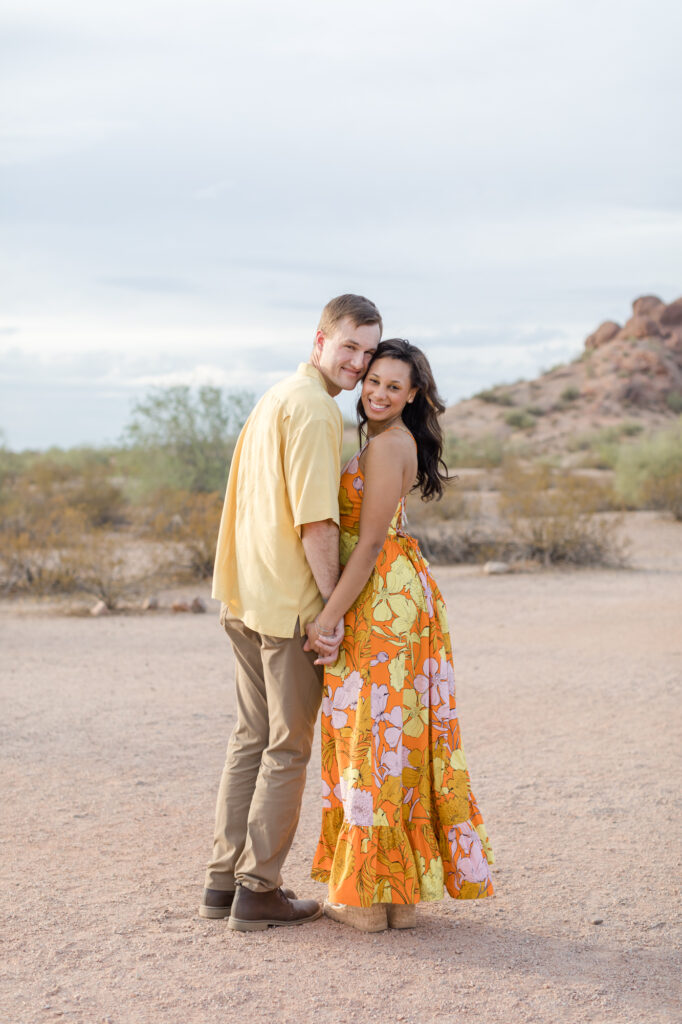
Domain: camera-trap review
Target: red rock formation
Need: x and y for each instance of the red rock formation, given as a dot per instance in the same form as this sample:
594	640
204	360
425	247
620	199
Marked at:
624	372
604	333
672	314
640	327
647	305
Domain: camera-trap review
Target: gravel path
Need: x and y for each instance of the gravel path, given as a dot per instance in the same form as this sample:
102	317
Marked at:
113	736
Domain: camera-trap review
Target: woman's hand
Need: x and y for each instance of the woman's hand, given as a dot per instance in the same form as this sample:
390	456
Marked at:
324	641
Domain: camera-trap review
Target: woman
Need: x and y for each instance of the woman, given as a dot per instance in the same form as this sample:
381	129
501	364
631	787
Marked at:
400	823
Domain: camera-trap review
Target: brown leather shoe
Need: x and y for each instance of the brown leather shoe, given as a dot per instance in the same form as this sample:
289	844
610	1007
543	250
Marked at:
217	903
256	911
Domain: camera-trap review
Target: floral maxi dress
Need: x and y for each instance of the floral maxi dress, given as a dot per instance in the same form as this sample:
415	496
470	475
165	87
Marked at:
399	822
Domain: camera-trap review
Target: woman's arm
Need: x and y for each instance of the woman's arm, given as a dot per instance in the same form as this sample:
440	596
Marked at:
388	458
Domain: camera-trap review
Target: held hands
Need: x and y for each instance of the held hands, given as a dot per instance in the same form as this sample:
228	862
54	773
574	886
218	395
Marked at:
325	642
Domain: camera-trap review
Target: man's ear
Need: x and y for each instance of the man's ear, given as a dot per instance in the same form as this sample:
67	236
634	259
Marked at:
320	338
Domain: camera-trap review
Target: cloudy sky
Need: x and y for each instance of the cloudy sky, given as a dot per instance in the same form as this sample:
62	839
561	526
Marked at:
186	184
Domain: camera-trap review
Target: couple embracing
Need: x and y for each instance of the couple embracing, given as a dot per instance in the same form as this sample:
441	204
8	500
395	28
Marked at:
327	600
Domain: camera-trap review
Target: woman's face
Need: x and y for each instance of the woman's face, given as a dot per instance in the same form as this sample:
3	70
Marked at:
387	389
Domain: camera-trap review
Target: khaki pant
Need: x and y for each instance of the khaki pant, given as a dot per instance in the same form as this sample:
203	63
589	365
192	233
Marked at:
279	691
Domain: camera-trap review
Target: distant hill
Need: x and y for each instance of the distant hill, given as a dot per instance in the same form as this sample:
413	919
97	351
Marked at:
625	374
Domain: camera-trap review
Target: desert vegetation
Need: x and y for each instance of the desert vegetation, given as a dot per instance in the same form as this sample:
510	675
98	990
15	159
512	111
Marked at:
115	523
648	474
524	512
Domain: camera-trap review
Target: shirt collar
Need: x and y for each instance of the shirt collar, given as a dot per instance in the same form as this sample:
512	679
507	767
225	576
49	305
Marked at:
308	370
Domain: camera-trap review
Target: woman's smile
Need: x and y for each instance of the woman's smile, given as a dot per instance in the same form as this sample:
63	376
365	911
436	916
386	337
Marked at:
386	390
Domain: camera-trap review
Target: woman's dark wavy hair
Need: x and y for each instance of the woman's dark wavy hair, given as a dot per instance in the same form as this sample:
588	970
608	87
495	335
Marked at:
420	416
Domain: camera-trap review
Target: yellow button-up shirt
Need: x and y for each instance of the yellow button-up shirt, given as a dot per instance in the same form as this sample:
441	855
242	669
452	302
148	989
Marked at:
285	472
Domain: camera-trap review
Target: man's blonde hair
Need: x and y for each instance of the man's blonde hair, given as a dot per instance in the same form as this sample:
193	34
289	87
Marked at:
360	310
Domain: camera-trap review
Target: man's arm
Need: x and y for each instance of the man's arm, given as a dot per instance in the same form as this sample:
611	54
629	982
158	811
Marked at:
321	545
311	460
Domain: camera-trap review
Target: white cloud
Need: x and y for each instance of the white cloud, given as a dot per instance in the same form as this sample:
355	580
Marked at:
215	189
190	183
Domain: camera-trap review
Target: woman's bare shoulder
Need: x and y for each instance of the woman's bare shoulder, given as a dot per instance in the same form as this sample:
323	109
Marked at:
392	449
393	440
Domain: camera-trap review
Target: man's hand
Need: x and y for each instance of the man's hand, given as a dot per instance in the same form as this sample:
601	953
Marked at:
329	659
326	646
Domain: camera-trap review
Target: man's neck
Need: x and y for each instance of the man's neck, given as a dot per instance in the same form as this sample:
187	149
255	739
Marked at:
331	388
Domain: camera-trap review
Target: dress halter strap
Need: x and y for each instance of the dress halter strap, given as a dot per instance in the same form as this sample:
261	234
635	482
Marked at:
396	426
400	426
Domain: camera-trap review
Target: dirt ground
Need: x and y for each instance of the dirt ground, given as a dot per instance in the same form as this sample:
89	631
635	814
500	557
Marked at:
113	737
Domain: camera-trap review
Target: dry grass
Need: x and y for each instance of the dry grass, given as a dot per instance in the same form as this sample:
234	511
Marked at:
554	516
543	514
40	534
53	541
600	449
485	452
649	472
191	520
66	527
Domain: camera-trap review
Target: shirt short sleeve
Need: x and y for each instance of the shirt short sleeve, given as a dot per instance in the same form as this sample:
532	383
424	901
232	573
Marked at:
312	468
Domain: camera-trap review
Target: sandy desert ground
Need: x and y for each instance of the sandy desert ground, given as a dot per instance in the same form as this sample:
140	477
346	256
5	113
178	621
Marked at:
113	736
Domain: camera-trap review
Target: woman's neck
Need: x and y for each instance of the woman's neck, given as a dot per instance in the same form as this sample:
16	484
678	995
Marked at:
374	429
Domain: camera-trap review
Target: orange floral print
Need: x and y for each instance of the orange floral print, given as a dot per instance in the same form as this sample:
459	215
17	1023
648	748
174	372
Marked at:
399	822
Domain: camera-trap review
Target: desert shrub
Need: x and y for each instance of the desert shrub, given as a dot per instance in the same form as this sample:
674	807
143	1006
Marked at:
86	478
466	544
39	538
674	401
649	472
50	503
109	570
192	521
183	440
453	505
602	447
98	496
600	455
485	452
519	419
7	459
496	397
536	410
553	516
570	394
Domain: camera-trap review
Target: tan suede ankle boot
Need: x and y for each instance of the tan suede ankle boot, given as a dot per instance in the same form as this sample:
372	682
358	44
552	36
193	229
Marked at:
401	915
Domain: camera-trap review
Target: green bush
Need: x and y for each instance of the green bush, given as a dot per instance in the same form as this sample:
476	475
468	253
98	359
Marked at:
496	397
649	472
602	447
570	394
184	440
520	419
485	452
674	401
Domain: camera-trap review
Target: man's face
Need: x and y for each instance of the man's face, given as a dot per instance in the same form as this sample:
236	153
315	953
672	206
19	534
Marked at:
343	355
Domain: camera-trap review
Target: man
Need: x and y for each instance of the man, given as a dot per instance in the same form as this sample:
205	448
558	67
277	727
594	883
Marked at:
277	562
